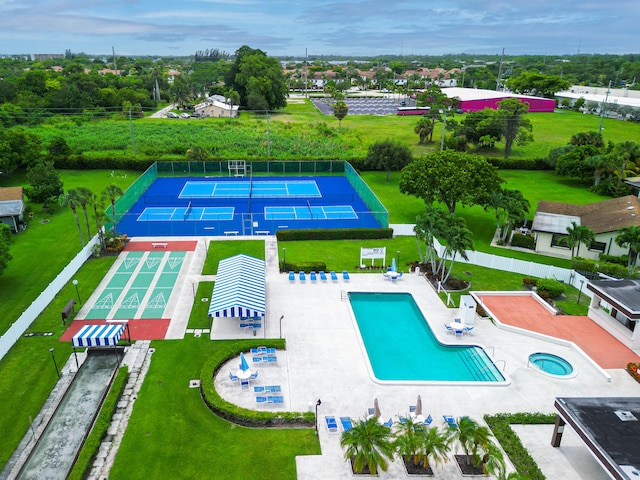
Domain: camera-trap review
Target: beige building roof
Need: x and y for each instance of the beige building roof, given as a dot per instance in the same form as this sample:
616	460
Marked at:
601	217
10	193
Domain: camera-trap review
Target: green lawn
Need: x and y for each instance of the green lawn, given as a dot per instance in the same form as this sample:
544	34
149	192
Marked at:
199	317
219	250
172	434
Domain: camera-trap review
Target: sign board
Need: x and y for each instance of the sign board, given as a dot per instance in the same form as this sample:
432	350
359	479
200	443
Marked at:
373	253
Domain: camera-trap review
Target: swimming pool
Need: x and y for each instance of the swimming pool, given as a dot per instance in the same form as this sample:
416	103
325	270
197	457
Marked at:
551	364
401	346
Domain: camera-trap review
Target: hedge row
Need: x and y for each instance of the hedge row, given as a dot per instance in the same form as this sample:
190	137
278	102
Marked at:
84	461
304	267
234	413
335	234
520	163
523	462
80	162
524	241
587	265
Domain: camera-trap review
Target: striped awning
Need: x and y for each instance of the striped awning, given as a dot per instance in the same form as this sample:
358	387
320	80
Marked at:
98	335
240	289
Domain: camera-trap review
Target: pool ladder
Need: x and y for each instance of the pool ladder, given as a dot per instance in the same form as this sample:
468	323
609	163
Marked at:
344	295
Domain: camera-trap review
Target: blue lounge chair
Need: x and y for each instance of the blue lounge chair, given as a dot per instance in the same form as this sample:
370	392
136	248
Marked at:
256	359
323	276
450	420
292	276
428	420
275	399
270	359
332	424
412	408
347	424
273	389
302	276
263	351
467	330
334	276
388	423
449	329
345	276
261	399
232	377
312	276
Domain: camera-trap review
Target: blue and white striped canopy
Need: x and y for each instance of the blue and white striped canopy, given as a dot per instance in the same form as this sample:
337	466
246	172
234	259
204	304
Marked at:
98	335
240	289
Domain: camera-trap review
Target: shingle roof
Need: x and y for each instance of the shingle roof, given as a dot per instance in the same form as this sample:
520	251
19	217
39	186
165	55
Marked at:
601	217
10	193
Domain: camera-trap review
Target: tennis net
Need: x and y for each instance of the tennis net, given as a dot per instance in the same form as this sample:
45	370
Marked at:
187	211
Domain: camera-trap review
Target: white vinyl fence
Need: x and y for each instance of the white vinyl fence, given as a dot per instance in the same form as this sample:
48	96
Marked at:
16	330
522	267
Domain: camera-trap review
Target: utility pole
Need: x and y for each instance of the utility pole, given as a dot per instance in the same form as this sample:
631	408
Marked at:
306	72
115	66
603	107
499	82
133	140
444	127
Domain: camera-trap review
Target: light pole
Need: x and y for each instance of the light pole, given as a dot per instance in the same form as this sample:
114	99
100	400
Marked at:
318	403
398	260
281	326
603	106
75	283
193	287
580	292
55	364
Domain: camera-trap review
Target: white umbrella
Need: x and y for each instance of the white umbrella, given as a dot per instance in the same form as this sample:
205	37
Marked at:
376	409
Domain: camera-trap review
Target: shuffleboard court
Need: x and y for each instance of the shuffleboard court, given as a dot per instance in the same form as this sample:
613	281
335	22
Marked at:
140	287
247	188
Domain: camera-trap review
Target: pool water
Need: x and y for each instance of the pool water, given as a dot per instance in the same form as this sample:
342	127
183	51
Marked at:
551	364
401	346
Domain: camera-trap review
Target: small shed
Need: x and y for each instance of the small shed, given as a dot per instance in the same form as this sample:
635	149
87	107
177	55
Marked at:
12	207
240	289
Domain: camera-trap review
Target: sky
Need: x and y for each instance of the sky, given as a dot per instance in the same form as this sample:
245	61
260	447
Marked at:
320	27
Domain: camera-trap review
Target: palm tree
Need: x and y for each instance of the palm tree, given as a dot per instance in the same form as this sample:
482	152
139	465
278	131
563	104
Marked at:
408	440
473	438
370	445
458	239
423	128
515	207
111	193
628	154
579	234
630	237
428	226
86	197
72	199
421	443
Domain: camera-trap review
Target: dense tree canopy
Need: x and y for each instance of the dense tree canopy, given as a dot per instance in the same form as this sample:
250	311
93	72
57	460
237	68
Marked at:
45	184
532	82
5	240
450	177
388	155
258	79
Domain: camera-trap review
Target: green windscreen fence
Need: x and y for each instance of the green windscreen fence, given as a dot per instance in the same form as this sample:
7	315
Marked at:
367	195
270	167
131	195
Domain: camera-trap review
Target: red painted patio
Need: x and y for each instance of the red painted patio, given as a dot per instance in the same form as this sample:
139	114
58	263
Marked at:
171	245
141	329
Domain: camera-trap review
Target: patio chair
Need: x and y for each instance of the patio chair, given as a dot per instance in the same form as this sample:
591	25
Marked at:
370	411
292	276
259	389
312	276
244	383
450	420
253	376
232	377
428	420
400	275
256	359
467	330
273	388
261	399
388	423
270	359
346	423
263	351
345	275
302	276
412	408
334	276
449	329
323	276
332	424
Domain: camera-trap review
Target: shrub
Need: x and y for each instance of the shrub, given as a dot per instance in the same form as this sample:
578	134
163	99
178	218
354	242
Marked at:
552	287
614	259
633	368
334	234
524	241
520	164
511	444
529	282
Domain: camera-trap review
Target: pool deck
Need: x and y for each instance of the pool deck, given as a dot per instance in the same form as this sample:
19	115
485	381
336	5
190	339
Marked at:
325	360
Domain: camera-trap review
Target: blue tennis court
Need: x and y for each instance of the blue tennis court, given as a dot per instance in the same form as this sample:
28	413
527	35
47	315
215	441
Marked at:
171	214
326	212
217	206
249	188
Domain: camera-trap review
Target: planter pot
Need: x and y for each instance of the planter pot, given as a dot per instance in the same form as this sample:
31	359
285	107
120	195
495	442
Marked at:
468	470
365	472
416	470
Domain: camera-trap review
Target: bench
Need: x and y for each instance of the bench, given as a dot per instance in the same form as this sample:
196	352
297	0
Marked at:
230	232
159	245
262	232
68	309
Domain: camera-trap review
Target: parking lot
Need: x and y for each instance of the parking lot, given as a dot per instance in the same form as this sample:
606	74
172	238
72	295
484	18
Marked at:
365	106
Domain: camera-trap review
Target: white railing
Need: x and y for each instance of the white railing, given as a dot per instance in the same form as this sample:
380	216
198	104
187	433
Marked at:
16	330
